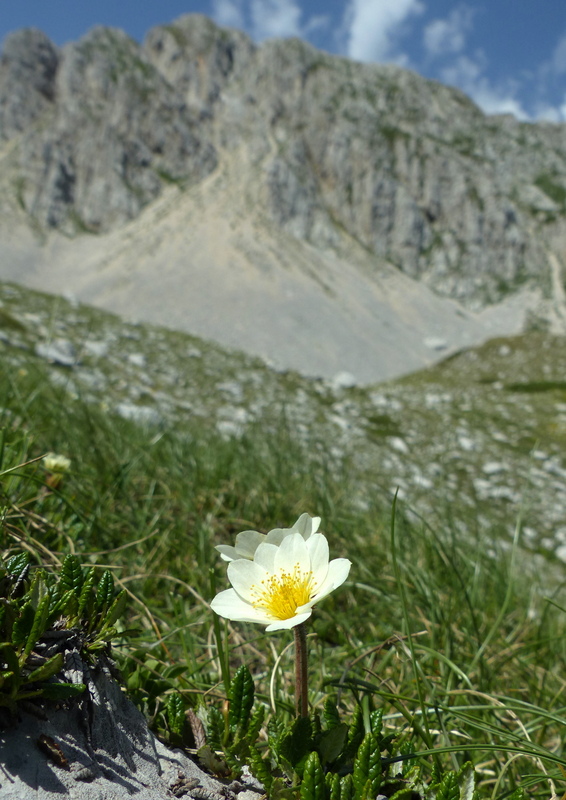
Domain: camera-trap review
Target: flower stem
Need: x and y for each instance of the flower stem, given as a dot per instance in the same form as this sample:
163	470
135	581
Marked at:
301	676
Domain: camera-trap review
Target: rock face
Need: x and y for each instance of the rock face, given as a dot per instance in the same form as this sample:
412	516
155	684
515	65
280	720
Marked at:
101	130
100	749
334	156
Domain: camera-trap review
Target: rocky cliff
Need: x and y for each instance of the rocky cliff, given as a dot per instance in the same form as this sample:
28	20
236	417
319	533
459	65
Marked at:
349	161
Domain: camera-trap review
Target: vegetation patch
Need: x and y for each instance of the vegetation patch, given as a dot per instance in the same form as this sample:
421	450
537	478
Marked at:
435	669
552	188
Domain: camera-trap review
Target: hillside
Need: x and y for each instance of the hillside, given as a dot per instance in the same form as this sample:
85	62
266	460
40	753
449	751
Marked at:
325	215
472	444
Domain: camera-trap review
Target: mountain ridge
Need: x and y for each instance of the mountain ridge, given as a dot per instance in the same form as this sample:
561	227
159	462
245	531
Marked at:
275	191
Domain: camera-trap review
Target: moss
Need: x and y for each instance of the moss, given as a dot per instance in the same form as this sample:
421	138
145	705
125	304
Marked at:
177	33
476	198
530	387
391	134
548	184
9	322
381	425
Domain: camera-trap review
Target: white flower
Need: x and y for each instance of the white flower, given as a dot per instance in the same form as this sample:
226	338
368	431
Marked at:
247	542
281	583
54	462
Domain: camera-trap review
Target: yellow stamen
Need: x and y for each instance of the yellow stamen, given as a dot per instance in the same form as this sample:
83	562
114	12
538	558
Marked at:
280	595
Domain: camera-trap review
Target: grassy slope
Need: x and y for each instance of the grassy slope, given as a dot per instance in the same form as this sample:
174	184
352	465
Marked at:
234	445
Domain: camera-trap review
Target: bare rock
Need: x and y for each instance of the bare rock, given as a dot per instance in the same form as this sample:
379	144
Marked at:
98	748
28	67
59	351
135	133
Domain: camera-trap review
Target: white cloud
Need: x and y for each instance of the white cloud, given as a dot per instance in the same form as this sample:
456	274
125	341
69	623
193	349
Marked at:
275	18
442	36
469	75
228	13
494	101
264	19
373	26
549	113
558	61
549	103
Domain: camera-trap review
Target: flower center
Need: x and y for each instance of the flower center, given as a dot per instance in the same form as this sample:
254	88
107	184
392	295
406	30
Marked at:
280	595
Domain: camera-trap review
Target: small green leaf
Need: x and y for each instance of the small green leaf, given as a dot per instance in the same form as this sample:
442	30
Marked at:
333	786
38	589
61	691
296	743
448	788
115	611
467	781
255	725
105	591
356	731
86	591
313	785
347	790
38	627
176	714
9	655
241	698
61	605
367	768
47	670
23	625
376	722
261	769
331	743
214	728
71	576
331	713
17	564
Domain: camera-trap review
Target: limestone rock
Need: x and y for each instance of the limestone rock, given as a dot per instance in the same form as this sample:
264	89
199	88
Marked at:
339	156
98	748
112	131
27	80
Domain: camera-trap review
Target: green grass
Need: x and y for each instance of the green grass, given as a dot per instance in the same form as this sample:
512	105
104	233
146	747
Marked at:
453	626
443	632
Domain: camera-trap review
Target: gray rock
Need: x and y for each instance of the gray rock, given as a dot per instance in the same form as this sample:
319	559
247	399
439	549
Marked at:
145	415
59	351
137	360
27	80
435	343
101	752
135	132
343	380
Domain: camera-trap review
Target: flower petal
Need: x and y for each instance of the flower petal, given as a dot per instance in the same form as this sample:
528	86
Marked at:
229	604
281	624
277	535
317	545
227	552
306	525
265	556
243	574
247	543
338	571
292	552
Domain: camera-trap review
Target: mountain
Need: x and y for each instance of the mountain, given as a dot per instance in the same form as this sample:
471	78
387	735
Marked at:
326	215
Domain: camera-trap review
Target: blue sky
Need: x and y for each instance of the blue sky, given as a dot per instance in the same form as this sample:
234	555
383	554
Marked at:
508	55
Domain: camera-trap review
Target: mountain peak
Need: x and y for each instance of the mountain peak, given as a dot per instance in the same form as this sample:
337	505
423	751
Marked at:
283	158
